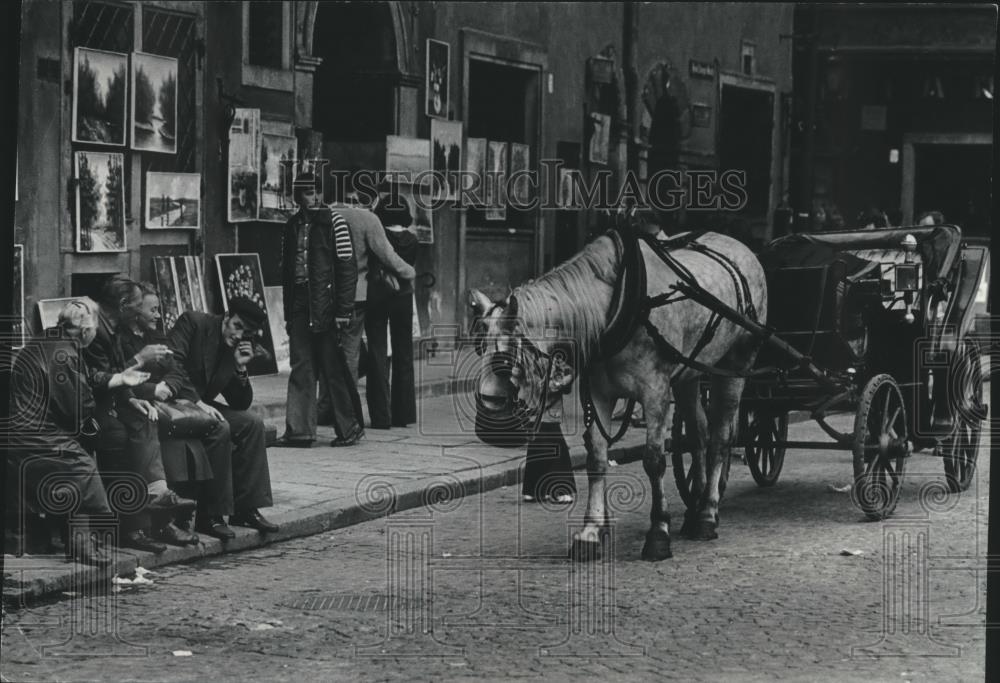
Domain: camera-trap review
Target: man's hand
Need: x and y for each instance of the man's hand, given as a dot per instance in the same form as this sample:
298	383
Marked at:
211	410
144	407
243	354
162	392
152	353
129	377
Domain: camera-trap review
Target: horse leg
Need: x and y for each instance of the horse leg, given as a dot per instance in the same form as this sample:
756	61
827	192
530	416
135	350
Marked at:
586	544
657	545
725	404
687	398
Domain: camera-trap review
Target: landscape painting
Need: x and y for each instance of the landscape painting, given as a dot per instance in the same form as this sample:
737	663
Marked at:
100	81
154	103
520	156
240	275
496	177
277	166
475	164
173	200
446	156
244	189
100	202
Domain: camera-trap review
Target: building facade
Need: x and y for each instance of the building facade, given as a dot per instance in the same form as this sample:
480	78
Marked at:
894	110
702	86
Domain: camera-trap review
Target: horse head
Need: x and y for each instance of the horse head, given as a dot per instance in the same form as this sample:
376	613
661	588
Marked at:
519	373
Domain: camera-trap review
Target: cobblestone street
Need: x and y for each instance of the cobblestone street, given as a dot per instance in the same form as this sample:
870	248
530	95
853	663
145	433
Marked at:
478	588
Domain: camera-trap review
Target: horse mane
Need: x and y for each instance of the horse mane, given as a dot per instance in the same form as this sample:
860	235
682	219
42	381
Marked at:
573	297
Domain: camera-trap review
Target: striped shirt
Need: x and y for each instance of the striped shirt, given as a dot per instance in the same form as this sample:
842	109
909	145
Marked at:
342	237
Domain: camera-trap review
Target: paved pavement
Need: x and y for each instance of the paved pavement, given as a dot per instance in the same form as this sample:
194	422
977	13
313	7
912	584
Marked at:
326	488
797	587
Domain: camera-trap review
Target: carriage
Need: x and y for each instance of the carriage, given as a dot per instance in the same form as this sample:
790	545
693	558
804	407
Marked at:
877	322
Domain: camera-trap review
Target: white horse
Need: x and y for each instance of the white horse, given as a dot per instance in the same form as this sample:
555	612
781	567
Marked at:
523	363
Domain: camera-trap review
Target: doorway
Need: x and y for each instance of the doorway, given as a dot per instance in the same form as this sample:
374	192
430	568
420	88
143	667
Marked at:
745	131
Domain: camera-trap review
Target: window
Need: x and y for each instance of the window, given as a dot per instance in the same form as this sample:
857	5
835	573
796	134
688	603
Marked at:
265	34
267	46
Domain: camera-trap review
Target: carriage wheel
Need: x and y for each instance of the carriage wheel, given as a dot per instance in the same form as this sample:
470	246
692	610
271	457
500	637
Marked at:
880	447
764	458
682	471
961	448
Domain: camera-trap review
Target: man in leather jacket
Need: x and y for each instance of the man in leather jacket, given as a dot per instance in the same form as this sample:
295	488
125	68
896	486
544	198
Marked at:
319	274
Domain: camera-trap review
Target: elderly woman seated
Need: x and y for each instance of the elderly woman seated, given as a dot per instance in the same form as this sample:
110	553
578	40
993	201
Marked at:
53	407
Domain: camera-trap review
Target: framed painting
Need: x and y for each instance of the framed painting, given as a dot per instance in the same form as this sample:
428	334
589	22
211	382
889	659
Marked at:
475	168
244	194
100	201
240	275
520	159
438	64
276	318
173	200
166	287
277	167
100	86
496	177
446	156
154	103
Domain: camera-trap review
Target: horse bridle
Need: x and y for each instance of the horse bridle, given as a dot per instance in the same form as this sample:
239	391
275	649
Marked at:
509	359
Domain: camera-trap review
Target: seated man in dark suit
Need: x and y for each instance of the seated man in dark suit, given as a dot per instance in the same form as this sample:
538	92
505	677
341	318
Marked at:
211	353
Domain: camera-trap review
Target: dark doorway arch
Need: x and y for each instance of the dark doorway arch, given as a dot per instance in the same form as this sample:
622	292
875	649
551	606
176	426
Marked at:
354	86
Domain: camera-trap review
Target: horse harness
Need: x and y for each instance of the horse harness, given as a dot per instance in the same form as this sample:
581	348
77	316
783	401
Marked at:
631	307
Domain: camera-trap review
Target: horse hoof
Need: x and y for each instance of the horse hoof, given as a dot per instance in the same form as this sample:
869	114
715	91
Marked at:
585	551
706	531
657	546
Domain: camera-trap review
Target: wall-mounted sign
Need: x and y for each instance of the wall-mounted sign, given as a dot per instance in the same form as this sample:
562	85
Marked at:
704	70
701	115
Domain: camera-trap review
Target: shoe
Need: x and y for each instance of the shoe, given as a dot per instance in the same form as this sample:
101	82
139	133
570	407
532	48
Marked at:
217	528
169	501
351	438
174	535
138	540
285	442
562	498
254	520
90	553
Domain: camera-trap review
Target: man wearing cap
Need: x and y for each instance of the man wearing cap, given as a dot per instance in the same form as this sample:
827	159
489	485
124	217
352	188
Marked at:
319	272
211	353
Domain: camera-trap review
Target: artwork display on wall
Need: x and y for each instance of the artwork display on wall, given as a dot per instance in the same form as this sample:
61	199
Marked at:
49	309
173	200
100	85
496	177
475	164
100	201
244	186
520	156
276	318
154	103
277	168
437	70
240	275
18	328
409	156
166	288
446	156
600	131
244	139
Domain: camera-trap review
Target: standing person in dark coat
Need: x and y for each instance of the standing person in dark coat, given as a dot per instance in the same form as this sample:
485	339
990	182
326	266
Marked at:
370	243
548	470
211	353
392	309
213	453
319	274
53	409
128	439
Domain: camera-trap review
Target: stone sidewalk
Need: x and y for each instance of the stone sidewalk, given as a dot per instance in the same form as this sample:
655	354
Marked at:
325	488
